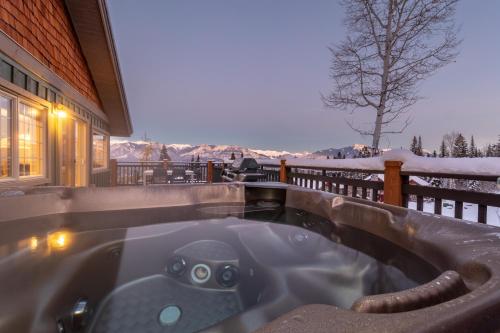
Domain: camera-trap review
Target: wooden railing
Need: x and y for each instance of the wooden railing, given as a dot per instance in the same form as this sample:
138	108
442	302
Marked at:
101	179
457	196
395	189
165	172
350	182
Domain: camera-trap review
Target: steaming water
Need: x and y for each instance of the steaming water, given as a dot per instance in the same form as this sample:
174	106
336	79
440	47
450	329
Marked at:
117	260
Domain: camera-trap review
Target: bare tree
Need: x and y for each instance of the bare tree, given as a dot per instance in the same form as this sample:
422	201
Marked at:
391	46
449	140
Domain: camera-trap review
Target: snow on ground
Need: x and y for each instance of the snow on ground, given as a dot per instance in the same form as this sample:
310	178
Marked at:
469	211
487	166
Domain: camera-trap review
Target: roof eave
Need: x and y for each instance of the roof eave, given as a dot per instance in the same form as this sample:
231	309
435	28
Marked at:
91	23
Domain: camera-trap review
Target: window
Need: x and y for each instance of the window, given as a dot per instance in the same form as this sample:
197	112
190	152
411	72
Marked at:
31	132
5	137
99	151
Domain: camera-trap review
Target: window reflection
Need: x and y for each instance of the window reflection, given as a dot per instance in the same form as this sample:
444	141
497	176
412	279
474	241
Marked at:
5	137
99	151
31	140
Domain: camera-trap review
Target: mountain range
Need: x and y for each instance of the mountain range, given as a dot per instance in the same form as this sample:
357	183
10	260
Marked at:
133	151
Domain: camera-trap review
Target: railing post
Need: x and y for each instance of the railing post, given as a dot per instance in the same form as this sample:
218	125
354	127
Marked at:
210	171
393	194
283	171
323	185
113	163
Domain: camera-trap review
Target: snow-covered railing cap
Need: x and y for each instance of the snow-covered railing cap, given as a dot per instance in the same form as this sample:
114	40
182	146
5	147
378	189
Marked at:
484	166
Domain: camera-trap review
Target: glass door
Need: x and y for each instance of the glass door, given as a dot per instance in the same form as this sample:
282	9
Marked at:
73	152
81	153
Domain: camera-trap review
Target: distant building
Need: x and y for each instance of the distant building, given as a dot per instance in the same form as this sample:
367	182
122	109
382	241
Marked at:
414	180
61	93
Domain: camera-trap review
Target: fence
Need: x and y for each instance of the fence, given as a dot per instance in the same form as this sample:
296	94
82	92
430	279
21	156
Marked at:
395	188
164	172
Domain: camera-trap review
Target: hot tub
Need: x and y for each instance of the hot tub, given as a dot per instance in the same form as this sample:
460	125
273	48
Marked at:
238	258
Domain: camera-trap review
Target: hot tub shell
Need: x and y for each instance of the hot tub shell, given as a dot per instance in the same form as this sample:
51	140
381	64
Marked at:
470	249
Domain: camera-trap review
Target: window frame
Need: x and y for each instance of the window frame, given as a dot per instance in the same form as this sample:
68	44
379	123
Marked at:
106	151
13	111
45	134
17	96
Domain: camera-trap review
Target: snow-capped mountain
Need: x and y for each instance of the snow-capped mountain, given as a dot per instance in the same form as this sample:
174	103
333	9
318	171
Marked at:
132	151
348	152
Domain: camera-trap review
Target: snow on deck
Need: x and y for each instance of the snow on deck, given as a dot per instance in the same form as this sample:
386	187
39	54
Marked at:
485	166
469	211
447	209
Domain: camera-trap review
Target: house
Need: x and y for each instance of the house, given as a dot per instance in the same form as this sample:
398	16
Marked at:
61	93
414	180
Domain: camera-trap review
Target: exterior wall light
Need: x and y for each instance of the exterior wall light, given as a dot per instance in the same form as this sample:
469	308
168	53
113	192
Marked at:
59	111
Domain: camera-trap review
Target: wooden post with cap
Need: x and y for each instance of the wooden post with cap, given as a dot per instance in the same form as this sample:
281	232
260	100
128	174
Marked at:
210	171
114	172
283	172
393	183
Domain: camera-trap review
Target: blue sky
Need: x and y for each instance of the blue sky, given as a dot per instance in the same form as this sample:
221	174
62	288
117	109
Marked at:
251	73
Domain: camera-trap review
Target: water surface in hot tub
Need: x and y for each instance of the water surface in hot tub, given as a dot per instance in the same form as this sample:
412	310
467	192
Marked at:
228	268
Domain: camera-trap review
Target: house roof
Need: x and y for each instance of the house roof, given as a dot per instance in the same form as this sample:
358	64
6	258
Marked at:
416	179
91	23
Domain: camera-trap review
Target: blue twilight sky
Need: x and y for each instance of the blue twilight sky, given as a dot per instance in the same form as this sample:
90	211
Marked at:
251	72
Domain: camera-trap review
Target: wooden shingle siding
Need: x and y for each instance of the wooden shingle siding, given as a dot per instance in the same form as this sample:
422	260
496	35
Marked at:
43	28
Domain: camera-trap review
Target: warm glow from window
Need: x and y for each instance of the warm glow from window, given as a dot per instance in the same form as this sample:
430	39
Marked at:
5	137
31	140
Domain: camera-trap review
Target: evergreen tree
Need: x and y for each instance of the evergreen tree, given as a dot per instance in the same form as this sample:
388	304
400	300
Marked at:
434	153
420	150
241	155
339	155
233	157
198	158
489	151
498	148
413	145
443	150
343	157
472	149
164	153
327	157
473	185
192	158
460	147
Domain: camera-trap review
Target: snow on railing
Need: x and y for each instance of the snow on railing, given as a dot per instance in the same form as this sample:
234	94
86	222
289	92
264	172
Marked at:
485	166
465	184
